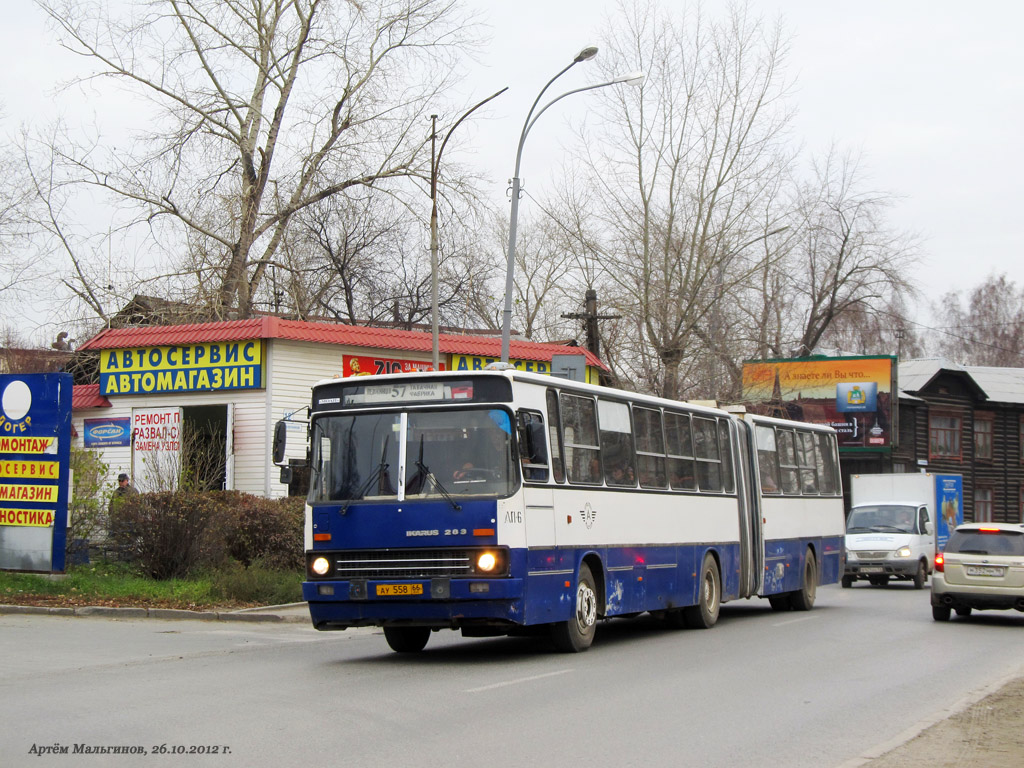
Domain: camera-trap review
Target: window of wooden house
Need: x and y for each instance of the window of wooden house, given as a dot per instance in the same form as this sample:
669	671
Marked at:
983	504
944	435
983	423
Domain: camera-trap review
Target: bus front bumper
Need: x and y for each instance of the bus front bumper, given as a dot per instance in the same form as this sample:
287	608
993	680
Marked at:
450	603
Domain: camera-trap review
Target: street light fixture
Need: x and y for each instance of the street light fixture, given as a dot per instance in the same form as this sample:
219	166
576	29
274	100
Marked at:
435	164
633	78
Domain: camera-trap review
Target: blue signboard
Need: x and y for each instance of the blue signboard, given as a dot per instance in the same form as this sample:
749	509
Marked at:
35	448
106	433
859	397
949	497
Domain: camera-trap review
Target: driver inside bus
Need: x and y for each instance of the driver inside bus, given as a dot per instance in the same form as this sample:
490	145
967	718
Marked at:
491	446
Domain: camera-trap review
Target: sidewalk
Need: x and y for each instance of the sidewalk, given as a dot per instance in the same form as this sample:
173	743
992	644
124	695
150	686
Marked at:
297	613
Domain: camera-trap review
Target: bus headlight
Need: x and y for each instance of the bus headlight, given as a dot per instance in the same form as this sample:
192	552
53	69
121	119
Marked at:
320	566
903	552
487	562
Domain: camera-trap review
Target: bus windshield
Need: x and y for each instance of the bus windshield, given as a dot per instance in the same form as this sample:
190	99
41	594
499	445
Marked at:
448	452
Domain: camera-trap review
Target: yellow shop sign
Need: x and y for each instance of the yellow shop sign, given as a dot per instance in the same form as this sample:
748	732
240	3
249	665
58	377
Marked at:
181	368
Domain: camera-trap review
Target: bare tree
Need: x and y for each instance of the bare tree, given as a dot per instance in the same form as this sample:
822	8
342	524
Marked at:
263	109
847	258
985	327
15	221
682	214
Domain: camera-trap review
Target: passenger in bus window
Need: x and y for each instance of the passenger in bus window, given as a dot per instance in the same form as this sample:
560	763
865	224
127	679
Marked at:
621	475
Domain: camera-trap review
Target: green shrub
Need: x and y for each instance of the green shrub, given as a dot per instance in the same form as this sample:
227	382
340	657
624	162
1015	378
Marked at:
170	534
87	509
176	534
268	531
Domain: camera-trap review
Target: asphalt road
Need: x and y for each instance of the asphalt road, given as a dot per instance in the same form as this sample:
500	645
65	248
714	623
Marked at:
761	688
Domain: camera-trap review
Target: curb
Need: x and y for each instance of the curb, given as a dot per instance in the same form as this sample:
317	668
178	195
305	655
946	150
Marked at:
245	614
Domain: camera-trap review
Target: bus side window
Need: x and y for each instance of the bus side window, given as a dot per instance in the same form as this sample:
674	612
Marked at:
787	461
533	452
767	460
806	459
580	439
679	442
555	437
826	465
650	448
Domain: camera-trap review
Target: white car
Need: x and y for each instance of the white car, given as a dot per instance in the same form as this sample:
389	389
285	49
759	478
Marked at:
981	567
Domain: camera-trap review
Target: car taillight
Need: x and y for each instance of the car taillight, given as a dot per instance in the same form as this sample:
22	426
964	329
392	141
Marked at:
940	563
989	530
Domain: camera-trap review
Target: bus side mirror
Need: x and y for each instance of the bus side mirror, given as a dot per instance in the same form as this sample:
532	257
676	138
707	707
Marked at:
280	441
286	475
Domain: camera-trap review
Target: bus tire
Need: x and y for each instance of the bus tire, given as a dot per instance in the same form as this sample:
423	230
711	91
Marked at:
921	576
704	615
407	639
803	598
780	602
577	634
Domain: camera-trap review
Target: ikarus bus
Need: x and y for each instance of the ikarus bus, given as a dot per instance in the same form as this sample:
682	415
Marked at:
499	502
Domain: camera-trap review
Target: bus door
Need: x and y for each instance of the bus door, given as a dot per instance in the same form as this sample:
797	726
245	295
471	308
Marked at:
749	509
538	501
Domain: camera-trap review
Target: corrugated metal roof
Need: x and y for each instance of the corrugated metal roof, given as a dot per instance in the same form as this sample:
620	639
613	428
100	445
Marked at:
87	396
326	333
1002	385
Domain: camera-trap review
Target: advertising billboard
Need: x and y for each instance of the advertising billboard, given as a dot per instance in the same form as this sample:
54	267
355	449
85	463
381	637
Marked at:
35	445
853	395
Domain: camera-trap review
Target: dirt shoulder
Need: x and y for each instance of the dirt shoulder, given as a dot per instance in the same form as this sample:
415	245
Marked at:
988	733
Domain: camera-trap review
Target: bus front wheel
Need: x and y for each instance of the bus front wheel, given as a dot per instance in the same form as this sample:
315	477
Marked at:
705	613
407	639
578	632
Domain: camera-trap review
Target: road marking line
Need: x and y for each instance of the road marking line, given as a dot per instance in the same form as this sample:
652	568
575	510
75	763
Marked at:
517	682
793	621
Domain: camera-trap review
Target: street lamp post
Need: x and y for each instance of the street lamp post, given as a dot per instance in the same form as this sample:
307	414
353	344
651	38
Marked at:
531	119
435	164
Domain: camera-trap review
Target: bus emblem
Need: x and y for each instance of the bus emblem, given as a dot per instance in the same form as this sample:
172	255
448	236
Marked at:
588	514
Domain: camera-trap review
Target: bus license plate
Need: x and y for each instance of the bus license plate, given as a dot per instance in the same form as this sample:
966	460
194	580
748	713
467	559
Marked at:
399	590
983	570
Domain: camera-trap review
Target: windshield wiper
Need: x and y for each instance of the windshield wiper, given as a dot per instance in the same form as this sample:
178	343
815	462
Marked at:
427	474
379	472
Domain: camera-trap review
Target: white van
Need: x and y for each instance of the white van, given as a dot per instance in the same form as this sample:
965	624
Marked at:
889	540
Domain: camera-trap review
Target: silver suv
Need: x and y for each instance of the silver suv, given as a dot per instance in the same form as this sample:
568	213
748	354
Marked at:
981	567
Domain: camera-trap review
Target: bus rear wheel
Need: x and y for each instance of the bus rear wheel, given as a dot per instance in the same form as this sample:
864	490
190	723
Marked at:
803	598
578	632
407	639
704	615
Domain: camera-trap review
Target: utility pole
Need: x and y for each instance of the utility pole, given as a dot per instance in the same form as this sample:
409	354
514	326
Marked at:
590	317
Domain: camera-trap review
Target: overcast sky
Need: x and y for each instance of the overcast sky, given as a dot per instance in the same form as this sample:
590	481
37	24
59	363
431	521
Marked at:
931	92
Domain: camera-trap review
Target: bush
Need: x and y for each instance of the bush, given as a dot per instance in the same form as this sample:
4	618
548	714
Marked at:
87	519
268	531
170	535
173	535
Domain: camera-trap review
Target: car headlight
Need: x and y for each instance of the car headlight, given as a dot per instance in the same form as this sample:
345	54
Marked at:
320	566
903	552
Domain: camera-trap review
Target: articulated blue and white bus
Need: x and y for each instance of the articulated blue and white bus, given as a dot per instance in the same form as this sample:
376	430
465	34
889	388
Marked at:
495	501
